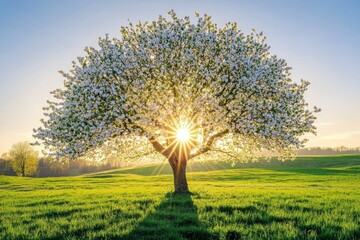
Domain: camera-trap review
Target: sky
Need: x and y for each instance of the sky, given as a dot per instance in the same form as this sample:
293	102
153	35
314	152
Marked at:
319	40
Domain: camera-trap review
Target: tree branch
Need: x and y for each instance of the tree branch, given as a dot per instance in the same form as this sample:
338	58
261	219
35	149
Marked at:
166	152
225	152
158	147
208	144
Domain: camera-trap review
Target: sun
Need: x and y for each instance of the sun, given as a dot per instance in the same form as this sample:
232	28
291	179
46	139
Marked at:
183	134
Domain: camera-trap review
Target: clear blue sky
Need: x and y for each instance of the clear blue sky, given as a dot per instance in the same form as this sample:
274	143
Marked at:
319	39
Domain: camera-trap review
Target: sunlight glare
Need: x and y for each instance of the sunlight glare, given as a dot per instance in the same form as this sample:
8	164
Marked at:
183	134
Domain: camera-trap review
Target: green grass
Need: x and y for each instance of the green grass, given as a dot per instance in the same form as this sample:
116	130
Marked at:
310	198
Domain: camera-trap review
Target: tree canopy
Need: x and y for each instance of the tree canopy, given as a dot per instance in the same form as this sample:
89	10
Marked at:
220	87
24	159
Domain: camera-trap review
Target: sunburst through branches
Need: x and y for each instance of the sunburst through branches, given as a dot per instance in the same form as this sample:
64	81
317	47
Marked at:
182	137
183	134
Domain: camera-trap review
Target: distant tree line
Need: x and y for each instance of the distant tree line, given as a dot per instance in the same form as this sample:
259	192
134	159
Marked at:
47	167
328	151
22	160
6	168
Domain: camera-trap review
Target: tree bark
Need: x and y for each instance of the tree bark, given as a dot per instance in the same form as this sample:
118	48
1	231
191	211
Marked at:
178	156
178	160
178	166
23	168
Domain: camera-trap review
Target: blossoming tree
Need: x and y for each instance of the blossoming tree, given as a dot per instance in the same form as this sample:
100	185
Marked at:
181	89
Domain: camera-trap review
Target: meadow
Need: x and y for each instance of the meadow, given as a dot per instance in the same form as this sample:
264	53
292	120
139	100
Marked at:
309	198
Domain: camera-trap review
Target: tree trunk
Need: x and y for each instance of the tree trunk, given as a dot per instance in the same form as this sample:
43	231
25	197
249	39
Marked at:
178	166
23	168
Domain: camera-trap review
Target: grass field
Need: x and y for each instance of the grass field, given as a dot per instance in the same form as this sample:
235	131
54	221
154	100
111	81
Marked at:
310	198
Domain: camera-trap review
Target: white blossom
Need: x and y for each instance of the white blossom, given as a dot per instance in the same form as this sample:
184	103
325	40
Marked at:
137	87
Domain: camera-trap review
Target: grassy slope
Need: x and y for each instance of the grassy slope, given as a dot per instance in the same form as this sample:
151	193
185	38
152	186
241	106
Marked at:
310	198
317	163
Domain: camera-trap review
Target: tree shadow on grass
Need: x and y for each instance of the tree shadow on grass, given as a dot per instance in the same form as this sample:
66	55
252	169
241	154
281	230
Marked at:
175	218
